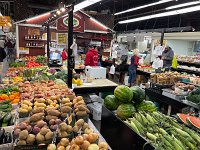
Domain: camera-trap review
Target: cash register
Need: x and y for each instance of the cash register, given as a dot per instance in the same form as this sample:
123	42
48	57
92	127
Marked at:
55	59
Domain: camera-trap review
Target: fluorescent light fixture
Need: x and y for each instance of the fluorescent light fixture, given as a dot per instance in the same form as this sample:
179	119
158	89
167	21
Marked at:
63	9
85	4
144	6
99	23
170	13
183	5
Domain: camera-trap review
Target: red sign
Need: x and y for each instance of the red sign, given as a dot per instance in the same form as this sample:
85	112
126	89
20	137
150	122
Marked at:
78	21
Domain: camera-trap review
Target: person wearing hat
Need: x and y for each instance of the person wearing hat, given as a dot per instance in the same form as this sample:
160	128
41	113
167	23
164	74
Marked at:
92	57
167	57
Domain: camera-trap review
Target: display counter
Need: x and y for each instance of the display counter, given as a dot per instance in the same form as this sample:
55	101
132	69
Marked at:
187	71
97	86
118	135
156	95
190	64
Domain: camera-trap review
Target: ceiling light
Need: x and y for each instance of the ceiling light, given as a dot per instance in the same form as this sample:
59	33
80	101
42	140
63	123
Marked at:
183	5
85	4
63	9
170	13
54	15
58	12
144	6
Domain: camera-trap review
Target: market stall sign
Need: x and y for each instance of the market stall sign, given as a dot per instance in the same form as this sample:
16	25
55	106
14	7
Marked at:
78	22
62	39
5	21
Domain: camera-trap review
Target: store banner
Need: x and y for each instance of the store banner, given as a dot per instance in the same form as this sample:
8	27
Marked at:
78	21
5	21
62	39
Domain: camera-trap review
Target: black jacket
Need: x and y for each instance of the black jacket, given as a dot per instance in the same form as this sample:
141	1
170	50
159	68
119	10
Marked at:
2	54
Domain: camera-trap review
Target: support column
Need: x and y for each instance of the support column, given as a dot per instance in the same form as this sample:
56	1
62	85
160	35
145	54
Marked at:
48	42
162	37
70	42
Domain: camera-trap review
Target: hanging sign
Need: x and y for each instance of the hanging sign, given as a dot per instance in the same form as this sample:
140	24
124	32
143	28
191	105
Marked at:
5	21
78	22
62	39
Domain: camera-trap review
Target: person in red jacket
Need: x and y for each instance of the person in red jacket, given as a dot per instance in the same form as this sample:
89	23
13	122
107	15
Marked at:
64	55
91	57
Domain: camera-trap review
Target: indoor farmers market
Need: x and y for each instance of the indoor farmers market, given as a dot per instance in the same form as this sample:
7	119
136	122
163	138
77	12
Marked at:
99	74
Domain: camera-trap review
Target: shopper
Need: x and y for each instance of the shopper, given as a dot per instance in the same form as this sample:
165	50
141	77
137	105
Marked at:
133	67
91	57
167	57
158	64
64	55
2	56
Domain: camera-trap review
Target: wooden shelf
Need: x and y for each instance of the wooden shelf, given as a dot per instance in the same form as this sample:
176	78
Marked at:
35	46
35	40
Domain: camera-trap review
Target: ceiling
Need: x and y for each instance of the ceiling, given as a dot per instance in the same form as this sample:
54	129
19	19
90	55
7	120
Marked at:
27	8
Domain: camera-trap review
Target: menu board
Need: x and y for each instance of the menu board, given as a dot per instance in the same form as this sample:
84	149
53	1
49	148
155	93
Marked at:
62	39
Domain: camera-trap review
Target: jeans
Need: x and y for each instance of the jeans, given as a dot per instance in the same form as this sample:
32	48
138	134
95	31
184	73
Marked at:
132	76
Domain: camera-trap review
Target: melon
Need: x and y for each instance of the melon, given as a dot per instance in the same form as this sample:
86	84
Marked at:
125	111
111	102
123	94
138	94
146	106
182	118
194	122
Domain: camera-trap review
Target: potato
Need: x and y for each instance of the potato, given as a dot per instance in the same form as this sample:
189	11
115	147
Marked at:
69	129
66	109
64	142
88	131
49	117
41	100
30	139
63	126
68	104
65	100
79	98
41	124
52	122
75	128
49	135
40	137
64	115
54	113
22	126
85	125
81	113
36	117
81	107
23	135
44	131
21	142
62	134
80	122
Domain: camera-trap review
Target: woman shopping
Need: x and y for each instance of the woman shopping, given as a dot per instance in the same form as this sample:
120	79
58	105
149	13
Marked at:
64	57
133	67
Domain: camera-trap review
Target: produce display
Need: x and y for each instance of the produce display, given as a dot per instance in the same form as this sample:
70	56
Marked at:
163	132
194	96
127	101
191	121
189	59
188	68
166	78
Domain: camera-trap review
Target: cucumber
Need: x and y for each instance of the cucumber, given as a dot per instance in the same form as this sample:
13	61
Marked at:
7	118
5	102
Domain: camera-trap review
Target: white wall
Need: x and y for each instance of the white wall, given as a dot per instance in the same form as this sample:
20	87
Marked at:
181	47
